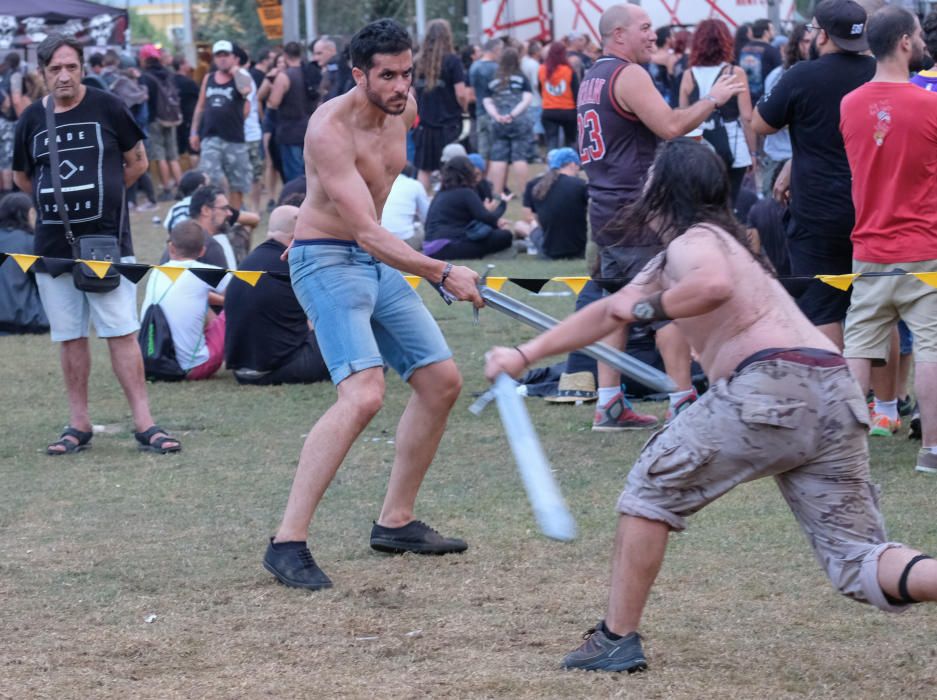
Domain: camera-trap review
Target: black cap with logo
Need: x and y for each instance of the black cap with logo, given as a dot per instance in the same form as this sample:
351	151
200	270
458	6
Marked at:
844	21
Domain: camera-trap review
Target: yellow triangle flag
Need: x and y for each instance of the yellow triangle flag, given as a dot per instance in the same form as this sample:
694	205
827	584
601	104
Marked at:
24	261
843	282
99	267
496	283
171	271
413	280
927	277
249	276
574	283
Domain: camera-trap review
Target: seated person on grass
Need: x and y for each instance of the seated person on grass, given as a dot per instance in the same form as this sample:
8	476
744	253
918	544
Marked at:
555	207
197	333
209	206
459	225
406	207
179	211
267	336
20	308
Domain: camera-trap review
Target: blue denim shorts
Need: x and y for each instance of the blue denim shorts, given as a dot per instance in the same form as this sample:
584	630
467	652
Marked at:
364	312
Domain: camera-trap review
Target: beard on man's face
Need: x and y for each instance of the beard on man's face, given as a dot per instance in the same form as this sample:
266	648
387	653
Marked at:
918	61
382	104
814	49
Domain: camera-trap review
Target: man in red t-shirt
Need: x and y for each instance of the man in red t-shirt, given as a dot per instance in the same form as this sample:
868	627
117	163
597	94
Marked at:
889	127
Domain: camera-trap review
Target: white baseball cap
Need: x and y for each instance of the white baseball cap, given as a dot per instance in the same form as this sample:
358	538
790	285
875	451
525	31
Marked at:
222	46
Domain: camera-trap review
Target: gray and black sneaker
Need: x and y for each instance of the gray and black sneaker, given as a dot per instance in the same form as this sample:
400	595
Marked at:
915	424
293	565
600	653
416	537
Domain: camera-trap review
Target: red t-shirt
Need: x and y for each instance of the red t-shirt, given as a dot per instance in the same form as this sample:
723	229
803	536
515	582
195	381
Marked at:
890	132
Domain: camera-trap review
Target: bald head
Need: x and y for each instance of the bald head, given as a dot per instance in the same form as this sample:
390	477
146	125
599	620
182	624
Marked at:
282	222
614	17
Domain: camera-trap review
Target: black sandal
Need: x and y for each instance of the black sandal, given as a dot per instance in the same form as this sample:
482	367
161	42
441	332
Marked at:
148	444
70	447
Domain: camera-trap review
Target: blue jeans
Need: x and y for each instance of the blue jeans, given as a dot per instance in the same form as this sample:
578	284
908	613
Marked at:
364	312
292	159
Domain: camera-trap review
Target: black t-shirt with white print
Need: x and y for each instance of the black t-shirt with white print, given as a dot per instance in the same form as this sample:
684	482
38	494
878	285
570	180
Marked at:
92	138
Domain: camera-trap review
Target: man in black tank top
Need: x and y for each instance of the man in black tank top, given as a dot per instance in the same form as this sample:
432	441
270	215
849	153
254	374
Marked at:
288	97
621	118
218	124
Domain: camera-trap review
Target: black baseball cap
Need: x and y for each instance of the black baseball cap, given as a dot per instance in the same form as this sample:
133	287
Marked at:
844	21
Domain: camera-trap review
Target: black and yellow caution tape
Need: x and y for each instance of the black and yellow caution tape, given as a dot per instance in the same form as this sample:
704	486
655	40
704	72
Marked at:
212	276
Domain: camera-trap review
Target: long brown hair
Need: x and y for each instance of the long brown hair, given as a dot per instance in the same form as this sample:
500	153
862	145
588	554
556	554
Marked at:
510	65
436	46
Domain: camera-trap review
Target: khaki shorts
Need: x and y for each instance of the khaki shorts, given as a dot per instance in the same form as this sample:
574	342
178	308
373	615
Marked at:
803	425
162	144
878	303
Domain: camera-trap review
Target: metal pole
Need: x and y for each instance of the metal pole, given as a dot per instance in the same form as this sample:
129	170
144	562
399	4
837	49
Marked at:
624	363
310	20
473	10
188	41
420	19
290	20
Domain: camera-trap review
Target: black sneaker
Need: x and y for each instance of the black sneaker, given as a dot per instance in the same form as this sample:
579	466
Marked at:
600	653
905	406
915	430
293	565
416	537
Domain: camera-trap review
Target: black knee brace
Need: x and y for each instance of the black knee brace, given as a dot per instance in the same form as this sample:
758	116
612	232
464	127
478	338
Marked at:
905	598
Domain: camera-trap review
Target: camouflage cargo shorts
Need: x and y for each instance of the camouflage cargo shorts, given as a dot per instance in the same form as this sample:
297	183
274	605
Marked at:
223	159
803	425
255	150
162	144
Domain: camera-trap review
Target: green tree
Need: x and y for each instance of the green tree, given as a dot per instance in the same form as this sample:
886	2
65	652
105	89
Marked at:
142	30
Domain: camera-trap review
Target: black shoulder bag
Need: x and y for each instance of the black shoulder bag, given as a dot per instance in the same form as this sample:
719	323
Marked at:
94	247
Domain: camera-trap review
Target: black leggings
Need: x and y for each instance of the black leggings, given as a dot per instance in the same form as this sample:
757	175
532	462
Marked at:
464	249
559	127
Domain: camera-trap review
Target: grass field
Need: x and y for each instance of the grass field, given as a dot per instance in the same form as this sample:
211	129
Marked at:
129	575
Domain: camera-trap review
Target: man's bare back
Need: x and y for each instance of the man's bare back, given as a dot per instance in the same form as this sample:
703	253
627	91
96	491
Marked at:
377	152
758	314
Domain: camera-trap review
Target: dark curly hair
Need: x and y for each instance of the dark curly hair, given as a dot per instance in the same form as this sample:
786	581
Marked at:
385	36
458	172
688	186
712	44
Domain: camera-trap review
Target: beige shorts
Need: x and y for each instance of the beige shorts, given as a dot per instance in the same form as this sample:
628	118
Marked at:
878	303
803	425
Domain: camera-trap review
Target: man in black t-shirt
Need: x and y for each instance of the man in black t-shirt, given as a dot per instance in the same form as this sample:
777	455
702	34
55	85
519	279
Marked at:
100	152
218	123
267	335
759	57
807	99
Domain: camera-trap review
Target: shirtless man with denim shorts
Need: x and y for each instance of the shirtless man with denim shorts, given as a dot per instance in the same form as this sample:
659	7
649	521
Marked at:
782	403
345	272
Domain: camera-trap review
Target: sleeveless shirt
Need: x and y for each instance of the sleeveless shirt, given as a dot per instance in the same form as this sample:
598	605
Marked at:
224	111
292	114
615	148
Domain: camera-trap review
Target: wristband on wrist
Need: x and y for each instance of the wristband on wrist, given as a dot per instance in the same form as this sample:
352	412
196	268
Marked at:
523	356
712	99
445	274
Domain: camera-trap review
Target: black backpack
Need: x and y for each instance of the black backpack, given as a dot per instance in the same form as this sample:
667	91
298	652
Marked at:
168	106
159	352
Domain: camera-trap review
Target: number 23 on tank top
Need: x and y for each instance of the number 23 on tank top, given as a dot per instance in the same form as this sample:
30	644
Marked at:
591	144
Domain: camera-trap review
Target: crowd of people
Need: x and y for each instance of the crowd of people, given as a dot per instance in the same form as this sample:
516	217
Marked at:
710	164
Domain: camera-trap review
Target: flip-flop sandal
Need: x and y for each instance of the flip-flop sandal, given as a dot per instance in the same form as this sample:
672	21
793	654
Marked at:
148	444
70	447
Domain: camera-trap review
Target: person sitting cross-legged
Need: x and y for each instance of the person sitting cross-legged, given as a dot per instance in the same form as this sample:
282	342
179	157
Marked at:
197	333
267	336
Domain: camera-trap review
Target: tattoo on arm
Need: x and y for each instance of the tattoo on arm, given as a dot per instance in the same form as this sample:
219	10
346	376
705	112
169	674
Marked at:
139	153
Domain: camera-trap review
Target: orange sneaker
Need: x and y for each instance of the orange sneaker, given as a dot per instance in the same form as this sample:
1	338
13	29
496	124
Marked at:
883	426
